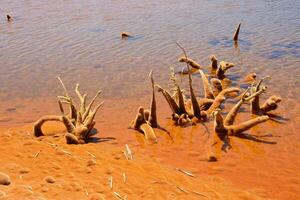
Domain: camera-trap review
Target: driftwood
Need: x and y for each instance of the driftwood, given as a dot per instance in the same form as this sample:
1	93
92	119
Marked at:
80	120
270	104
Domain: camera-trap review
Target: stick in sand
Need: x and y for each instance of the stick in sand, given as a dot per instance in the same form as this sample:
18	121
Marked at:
110	182
181	189
128	153
119	196
37	154
91	154
124	178
185	172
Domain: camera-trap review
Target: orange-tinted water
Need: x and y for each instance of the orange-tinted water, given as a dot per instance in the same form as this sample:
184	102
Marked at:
80	42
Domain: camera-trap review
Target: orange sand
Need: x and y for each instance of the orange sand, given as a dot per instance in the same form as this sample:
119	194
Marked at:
250	170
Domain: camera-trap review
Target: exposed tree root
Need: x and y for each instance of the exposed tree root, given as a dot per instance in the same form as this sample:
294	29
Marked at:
250	77
224	66
146	120
190	62
221	98
214	62
226	128
208	92
269	105
79	122
217	86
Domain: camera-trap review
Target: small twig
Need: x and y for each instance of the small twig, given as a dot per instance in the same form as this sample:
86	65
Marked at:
86	192
91	155
110	182
64	87
124	178
181	189
128	153
68	153
125	155
185	172
51	144
37	154
200	194
119	196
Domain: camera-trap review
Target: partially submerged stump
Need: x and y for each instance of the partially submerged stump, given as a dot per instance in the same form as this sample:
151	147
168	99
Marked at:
226	127
125	35
269	105
236	33
8	17
79	122
194	66
146	120
224	66
214	62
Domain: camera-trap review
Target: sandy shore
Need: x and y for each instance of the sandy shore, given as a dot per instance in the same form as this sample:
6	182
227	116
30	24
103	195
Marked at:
47	168
250	170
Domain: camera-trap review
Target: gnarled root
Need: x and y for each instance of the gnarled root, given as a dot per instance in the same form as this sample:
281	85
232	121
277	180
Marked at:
224	131
172	103
229	120
220	129
146	120
224	66
221	98
217	86
79	122
205	103
71	139
190	62
270	104
214	62
148	132
141	124
250	77
37	126
208	92
239	128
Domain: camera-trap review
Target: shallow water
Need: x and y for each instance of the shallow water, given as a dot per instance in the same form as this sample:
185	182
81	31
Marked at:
80	42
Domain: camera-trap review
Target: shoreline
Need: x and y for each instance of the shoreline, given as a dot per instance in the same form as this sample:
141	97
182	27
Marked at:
83	172
233	167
